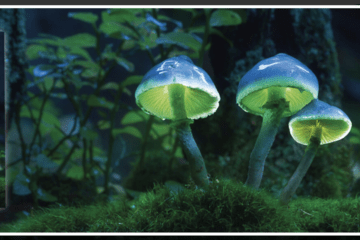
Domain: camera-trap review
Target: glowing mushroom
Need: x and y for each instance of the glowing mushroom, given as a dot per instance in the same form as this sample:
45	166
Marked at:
177	90
316	124
274	88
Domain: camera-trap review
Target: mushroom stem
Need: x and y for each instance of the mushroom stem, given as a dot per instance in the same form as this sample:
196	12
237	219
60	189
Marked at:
269	128
301	170
177	100
196	161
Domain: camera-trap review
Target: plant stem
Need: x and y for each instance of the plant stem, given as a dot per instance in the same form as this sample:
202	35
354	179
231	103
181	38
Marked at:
113	112
300	172
193	154
269	128
144	143
206	35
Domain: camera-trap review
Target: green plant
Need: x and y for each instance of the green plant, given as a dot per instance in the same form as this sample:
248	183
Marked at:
70	69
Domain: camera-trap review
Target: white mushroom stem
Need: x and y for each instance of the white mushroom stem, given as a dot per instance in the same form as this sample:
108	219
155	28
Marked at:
177	100
303	167
183	130
269	128
193	154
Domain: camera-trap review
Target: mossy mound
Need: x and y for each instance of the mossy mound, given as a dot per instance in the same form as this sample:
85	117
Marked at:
226	206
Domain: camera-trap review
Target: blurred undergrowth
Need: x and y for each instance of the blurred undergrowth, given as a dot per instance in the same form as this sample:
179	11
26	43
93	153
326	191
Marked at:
69	69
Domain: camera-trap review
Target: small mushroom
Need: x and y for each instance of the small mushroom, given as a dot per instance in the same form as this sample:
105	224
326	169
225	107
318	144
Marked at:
316	124
177	90
274	88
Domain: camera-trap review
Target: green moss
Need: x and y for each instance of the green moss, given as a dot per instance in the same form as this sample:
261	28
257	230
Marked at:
227	206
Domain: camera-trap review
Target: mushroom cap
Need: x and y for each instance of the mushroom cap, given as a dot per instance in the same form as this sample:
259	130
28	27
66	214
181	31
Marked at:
334	122
201	97
297	83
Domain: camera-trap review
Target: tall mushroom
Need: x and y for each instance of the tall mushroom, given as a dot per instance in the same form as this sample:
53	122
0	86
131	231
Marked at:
316	124
274	88
177	90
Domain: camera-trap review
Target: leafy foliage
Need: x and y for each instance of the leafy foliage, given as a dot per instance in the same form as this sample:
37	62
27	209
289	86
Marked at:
69	68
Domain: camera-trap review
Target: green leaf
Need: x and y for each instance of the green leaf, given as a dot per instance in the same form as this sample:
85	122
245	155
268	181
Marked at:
354	140
158	130
185	40
128	44
13	171
99	102
117	30
89	134
355	131
103	124
32	51
80	40
92	69
167	142
61	53
48	120
48	82
77	82
128	130
166	18
21	186
134	79
134	117
45	196
224	18
110	85
127	91
75	172
208	46
201	29
80	52
129	66
88	64
118	15
148	41
78	154
90	74
85	17
44	162
179	153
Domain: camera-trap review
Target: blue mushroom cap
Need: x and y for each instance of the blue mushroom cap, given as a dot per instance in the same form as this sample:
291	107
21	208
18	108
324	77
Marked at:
334	123
200	94
282	73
